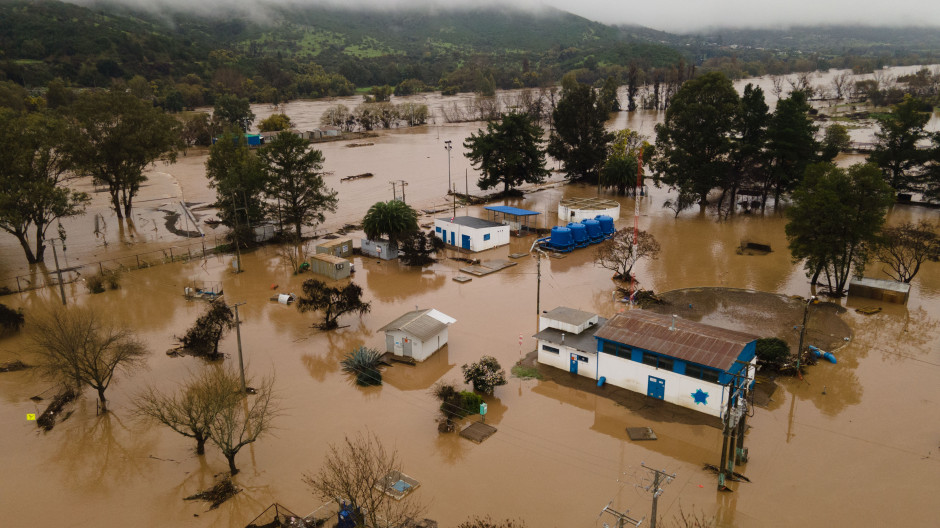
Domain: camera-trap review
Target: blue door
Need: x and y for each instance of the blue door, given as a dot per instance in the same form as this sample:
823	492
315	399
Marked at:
465	241
452	239
444	237
656	388
574	363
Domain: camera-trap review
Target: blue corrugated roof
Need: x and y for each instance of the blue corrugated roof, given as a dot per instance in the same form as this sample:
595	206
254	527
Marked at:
505	209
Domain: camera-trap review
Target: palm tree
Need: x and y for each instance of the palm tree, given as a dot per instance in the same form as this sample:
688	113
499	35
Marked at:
395	220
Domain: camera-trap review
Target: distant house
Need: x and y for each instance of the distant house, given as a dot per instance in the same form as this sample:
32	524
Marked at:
471	233
338	247
683	362
566	340
380	248
330	131
417	334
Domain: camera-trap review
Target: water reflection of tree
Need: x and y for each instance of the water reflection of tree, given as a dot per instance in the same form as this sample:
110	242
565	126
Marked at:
451	447
910	333
330	348
101	451
391	281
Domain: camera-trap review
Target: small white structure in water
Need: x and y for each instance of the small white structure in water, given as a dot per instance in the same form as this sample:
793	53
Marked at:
566	340
380	248
577	209
417	334
471	233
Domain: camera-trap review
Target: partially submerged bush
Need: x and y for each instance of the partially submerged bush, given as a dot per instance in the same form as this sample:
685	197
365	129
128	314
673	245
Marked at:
364	362
204	336
105	278
10	319
485	375
772	352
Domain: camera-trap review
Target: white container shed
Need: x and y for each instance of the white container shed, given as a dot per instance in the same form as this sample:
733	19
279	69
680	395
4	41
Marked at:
417	334
381	248
578	209
471	233
566	340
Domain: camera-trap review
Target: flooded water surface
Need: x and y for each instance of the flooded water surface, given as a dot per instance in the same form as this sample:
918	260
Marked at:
853	443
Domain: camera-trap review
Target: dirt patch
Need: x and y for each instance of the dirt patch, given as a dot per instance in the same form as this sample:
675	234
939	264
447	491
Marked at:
760	313
222	491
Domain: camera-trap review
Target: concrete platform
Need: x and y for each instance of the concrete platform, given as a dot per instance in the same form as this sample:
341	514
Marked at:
461	279
488	266
478	432
640	433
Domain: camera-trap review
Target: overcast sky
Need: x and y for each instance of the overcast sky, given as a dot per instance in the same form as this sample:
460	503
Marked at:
667	15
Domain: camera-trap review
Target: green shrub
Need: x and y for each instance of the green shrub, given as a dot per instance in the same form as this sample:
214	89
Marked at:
471	402
772	352
485	375
364	364
105	278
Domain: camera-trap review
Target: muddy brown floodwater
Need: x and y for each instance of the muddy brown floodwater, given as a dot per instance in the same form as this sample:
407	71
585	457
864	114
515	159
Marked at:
853	443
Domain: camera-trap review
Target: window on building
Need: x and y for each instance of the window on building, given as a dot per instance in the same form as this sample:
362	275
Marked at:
486	236
710	375
703	373
665	363
693	371
437	229
615	349
649	359
551	349
583	359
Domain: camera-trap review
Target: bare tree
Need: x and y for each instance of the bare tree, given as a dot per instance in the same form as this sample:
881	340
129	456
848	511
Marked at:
841	84
777	83
353	472
80	346
905	247
192	410
243	421
617	254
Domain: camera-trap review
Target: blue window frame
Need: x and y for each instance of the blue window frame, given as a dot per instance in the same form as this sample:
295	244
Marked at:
486	236
437	229
551	349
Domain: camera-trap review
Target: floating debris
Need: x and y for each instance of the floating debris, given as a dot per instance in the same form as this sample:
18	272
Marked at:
357	176
222	491
641	433
47	420
13	366
868	310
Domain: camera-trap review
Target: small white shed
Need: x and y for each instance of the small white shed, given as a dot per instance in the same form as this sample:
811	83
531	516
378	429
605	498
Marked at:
578	209
380	248
417	334
471	233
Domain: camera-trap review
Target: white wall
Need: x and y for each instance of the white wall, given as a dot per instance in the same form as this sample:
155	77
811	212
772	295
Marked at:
564	214
499	235
679	387
419	350
380	248
562	360
548	322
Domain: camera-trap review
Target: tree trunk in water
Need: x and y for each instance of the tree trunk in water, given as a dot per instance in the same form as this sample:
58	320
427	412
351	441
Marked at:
30	257
200	444
127	206
297	228
116	202
816	275
104	402
231	463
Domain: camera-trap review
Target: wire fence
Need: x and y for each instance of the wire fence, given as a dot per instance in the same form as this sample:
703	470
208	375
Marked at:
47	277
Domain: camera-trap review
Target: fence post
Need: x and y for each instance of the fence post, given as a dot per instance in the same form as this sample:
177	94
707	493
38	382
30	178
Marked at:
189	251
138	260
18	289
100	268
171	254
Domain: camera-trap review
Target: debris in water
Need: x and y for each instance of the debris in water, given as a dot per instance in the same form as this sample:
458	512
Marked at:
735	476
868	310
47	420
222	491
13	366
641	433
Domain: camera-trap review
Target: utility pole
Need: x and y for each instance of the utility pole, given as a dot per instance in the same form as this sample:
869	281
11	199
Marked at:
659	477
734	420
466	182
394	192
448	147
238	335
799	350
238	251
538	286
58	271
403	183
622	518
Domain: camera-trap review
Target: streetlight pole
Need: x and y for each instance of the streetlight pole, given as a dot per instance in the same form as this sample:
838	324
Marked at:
448	146
799	350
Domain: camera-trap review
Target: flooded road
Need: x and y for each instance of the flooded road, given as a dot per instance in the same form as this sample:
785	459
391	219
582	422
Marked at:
854	443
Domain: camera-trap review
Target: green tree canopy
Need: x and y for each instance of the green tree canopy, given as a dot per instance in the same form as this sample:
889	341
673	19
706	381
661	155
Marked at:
275	123
295	180
792	144
694	141
509	152
113	137
394	219
233	111
896	141
836	214
748	157
33	193
619	171
238	178
836	140
580	140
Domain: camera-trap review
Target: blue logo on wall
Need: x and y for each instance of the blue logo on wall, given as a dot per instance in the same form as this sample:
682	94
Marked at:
700	396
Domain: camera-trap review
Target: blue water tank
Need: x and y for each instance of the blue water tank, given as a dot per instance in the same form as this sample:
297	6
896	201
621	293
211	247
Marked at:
607	224
593	230
561	237
579	233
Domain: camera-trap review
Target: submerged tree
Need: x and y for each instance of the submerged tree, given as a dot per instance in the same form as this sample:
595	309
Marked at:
238	178
332	301
202	339
295	180
580	139
353	471
836	214
620	170
485	375
33	191
81	346
242	422
192	410
509	152
113	137
905	247
896	151
417	248
618	255
394	219
11	320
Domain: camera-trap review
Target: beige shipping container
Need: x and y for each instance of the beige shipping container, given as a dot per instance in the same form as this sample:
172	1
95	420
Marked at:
338	247
330	266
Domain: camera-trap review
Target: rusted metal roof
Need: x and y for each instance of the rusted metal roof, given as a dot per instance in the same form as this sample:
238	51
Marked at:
690	341
422	324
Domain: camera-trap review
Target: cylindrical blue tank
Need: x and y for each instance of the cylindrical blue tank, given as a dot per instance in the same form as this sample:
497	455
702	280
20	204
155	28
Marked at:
607	224
593	230
579	233
561	238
